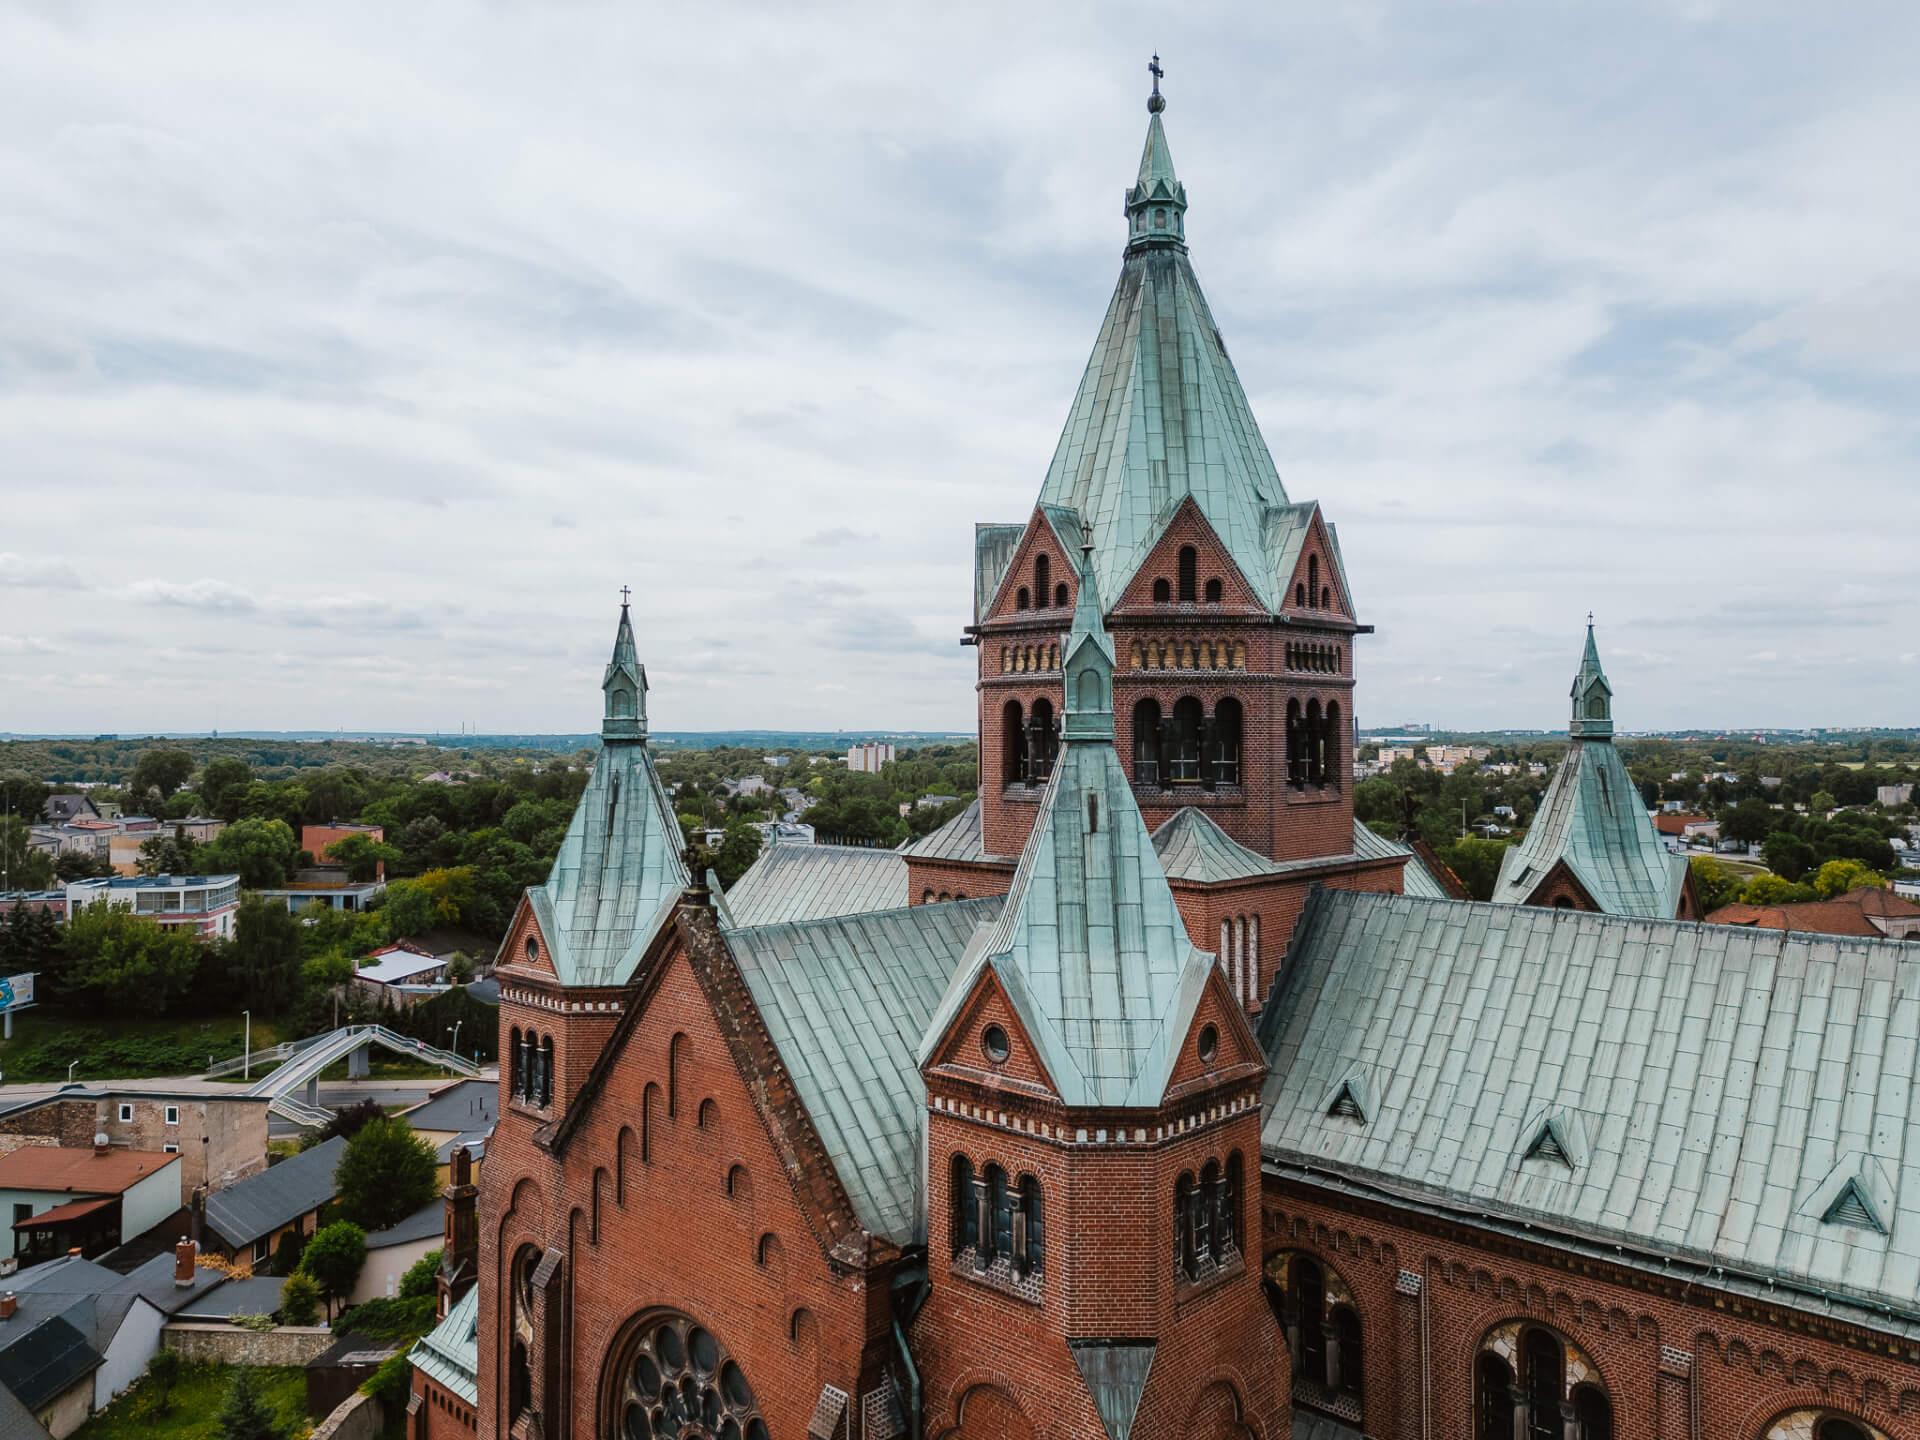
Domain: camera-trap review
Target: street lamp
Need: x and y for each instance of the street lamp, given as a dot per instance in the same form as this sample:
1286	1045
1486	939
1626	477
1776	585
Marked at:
246	1047
454	1029
70	1072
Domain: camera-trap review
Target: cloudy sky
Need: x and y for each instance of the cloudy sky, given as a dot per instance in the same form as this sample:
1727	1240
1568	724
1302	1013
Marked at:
351	360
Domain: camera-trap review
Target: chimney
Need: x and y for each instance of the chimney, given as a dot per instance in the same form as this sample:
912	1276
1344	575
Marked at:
8	1304
460	1247
183	1253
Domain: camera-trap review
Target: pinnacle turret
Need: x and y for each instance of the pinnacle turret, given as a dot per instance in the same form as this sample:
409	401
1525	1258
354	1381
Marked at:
625	686
1592	696
1086	663
1157	203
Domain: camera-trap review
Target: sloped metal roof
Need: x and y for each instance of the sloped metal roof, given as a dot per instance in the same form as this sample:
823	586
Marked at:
449	1354
1727	1082
1115	1373
961	838
1592	818
993	551
244	1211
43	1361
846	1001
618	875
1192	847
792	881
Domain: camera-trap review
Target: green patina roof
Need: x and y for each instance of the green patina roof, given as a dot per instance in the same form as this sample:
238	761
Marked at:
1161	416
1192	847
1592	818
1718	1089
846	1001
812	882
1090	949
619	872
1592	695
449	1354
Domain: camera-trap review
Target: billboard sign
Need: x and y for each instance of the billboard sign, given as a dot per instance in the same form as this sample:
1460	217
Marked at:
16	991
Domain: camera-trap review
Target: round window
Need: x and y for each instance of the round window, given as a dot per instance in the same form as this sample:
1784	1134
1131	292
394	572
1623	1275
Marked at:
994	1041
1209	1043
533	948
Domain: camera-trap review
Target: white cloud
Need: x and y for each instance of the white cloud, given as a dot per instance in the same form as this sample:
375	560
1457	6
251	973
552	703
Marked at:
41	572
215	597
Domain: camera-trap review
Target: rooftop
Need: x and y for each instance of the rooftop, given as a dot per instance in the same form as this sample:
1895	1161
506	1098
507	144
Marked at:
393	965
463	1106
260	1204
81	1171
812	882
449	1354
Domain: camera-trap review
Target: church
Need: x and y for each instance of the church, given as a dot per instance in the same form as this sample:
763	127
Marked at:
1152	1096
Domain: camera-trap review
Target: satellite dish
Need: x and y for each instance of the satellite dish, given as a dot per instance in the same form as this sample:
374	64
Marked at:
100	1138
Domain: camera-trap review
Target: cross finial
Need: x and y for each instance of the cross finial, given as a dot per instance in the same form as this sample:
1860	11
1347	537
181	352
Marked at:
624	594
1156	102
1589	619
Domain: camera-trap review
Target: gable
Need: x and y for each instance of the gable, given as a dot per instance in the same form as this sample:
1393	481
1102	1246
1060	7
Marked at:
1236	1053
1315	586
1560	880
1185	525
1045	539
516	951
964	1051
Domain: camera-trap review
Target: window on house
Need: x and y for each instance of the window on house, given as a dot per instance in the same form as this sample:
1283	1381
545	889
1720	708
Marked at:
262	1250
1162	592
1227	726
126	1113
1146	742
1060	594
1183	747
1189	574
173	1114
169	1149
1213	592
1042	581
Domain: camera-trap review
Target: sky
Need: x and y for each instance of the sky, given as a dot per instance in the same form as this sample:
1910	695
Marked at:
353	357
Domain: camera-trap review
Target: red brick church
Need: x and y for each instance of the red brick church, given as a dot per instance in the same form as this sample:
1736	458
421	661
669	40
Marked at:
1153	1097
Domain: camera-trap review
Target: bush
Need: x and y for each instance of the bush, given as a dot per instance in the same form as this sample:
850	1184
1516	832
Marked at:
335	1257
163	1373
245	1414
300	1300
387	1173
286	1255
389	1321
422	1277
392	1383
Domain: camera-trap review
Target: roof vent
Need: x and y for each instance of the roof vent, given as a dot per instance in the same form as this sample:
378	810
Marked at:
1351	1098
1560	1136
1547	1146
1856	1194
1852	1207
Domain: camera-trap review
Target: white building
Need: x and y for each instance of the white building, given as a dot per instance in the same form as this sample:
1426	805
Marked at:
870	757
1891	795
204	903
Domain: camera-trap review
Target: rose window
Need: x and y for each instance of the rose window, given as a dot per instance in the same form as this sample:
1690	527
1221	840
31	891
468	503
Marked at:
680	1384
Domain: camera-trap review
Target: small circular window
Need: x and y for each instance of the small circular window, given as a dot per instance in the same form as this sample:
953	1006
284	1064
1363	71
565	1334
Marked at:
994	1041
533	948
1209	1043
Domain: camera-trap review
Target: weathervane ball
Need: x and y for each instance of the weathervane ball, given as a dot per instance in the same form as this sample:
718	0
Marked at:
1156	102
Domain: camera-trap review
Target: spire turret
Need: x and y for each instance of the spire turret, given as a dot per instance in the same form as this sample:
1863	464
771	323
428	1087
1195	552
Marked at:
1157	204
1592	696
625	686
1086	663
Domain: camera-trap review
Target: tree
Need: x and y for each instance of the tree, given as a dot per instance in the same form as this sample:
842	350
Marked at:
739	848
1843	877
1787	855
362	855
245	1414
299	1300
1716	884
348	1121
1476	862
21	866
286	1254
164	1371
1772	890
387	1173
127	964
161	771
422	1277
437	898
261	852
167	855
335	1256
70	865
222	784
460	968
1749	822
1822	802
265	955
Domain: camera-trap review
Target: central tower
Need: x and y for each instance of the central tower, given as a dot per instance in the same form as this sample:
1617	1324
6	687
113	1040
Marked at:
1227	605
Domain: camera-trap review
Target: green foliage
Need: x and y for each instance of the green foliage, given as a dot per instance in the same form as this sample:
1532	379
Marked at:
739	848
222	783
126	964
391	1383
334	1258
71	865
168	855
387	1173
286	1254
348	1121
1773	890
300	1299
258	1324
163	1376
1476	862
436	899
261	851
1714	882
1787	855
160	771
1842	877
422	1277
22	867
42	1051
246	1414
362	855
389	1320
265	959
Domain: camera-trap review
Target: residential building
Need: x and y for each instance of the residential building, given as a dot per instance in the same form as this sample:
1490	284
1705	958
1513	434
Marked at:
314	839
244	1222
327	885
385	972
54	902
204	904
218	1138
1892	795
1682	826
1870	912
124	842
870	757
460	1115
394	1251
1451	757
56	1199
60	809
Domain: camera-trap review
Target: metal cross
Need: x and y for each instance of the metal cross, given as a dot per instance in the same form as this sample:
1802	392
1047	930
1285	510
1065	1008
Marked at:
1153	69
624	593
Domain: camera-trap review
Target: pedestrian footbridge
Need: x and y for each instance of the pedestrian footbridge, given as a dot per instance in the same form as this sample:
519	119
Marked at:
292	1087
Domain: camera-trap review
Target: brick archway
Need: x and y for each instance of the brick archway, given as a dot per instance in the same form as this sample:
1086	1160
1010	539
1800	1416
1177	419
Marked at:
989	1412
1217	1414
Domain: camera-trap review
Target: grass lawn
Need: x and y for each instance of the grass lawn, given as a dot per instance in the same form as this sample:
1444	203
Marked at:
46	1039
195	1406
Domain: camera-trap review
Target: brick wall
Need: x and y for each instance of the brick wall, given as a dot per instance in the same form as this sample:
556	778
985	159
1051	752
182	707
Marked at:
1668	1351
954	881
436	1413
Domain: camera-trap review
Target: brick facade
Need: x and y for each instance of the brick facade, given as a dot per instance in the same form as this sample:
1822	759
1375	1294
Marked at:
219	1141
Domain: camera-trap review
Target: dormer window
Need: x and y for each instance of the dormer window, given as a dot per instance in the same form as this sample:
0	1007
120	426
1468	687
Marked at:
1159	219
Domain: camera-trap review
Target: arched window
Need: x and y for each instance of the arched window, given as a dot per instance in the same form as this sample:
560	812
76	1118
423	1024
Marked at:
1021	599
1185	1254
1146	742
1042	581
1344	1360
1206	1213
1326	598
1013	744
1060	595
1162	592
1592	1413
1310	1306
1296	746
1029	1241
1231	1195
1543	1366
1183	741
1189	574
670	1375
520	1330
1213	592
1300	595
546	1071
1313	578
517	1071
999	1211
1492	1398
1834	1428
1316	745
1334	742
1041	742
1227	725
